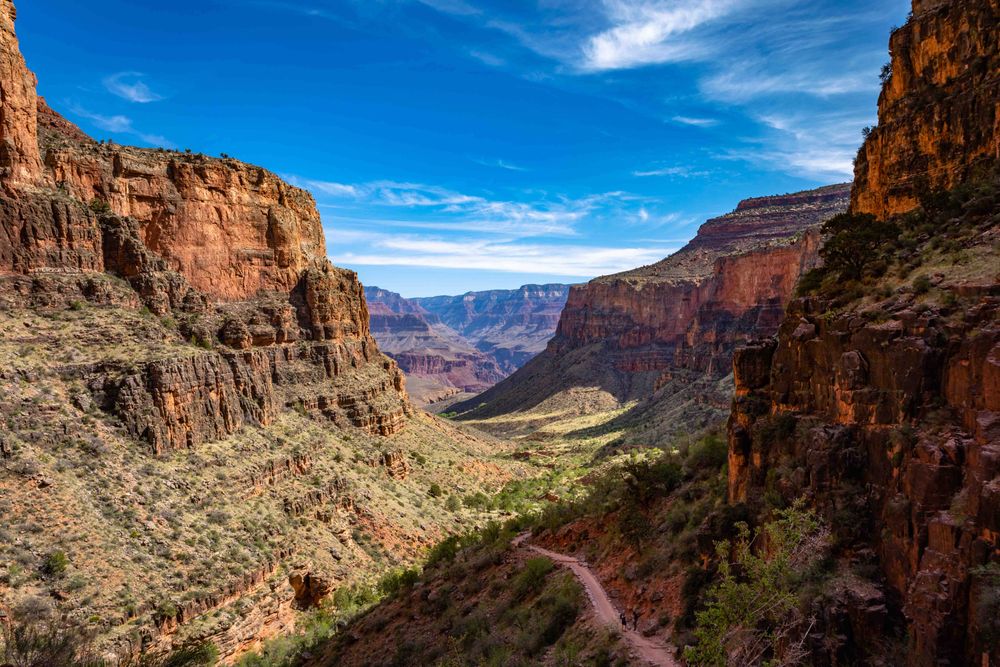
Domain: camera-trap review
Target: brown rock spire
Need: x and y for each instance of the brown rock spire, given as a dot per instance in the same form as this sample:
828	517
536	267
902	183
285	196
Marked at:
20	163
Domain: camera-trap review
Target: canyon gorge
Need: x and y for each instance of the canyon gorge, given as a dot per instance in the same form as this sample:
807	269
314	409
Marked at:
196	420
779	445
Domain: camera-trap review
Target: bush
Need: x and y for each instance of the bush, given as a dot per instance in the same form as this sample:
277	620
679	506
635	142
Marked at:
922	285
532	577
435	491
854	243
453	504
397	580
55	564
30	641
100	206
708	453
753	611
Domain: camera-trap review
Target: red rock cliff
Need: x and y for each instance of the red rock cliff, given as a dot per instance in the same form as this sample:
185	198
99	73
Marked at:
230	251
20	163
882	410
666	328
939	113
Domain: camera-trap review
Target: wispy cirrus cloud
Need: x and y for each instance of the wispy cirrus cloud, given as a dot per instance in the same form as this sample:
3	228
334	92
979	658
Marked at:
130	86
647	32
500	164
695	122
678	171
504	256
820	145
120	124
436	207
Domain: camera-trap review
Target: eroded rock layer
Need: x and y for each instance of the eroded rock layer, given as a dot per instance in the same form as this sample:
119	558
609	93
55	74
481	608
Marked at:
511	326
939	112
665	333
882	409
187	387
437	361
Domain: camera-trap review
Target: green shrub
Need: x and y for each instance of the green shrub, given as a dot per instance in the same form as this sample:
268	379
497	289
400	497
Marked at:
55	563
753	610
854	243
922	285
395	581
100	206
532	577
435	491
708	453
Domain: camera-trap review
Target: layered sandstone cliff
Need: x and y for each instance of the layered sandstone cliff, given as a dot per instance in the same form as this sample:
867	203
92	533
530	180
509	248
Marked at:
664	334
939	112
437	361
882	409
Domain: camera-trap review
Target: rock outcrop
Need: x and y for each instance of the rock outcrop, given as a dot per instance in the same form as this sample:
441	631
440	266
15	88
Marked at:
665	333
939	112
20	163
883	410
227	248
187	386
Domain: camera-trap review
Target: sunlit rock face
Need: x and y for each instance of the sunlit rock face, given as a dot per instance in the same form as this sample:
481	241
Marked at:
939	113
666	332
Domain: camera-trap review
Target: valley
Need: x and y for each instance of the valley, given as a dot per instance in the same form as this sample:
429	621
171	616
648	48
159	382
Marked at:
778	445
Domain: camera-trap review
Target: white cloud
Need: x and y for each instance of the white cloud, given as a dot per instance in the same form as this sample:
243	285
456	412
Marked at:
561	260
696	122
821	146
130	86
441	208
647	32
120	124
502	164
745	82
681	172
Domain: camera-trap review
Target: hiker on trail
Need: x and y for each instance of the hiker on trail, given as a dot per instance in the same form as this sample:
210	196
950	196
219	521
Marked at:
635	619
621	615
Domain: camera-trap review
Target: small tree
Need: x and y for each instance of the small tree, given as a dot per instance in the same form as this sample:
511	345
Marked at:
753	613
855	242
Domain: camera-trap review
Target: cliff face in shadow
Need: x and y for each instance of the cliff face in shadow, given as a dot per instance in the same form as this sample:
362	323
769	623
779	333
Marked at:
879	399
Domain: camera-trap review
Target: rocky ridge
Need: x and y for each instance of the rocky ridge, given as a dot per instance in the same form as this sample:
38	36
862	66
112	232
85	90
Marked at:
664	334
511	326
437	361
882	408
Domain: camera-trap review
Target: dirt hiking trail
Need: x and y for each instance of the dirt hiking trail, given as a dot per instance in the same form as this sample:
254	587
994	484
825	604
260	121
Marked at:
649	650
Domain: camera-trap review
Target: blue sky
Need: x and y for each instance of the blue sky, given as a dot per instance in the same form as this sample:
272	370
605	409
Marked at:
458	145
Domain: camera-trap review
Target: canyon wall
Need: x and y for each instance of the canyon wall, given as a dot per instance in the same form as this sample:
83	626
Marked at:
939	112
882	409
664	334
454	345
438	362
194	412
227	249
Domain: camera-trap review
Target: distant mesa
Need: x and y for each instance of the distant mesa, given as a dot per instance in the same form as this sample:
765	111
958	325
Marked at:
451	347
